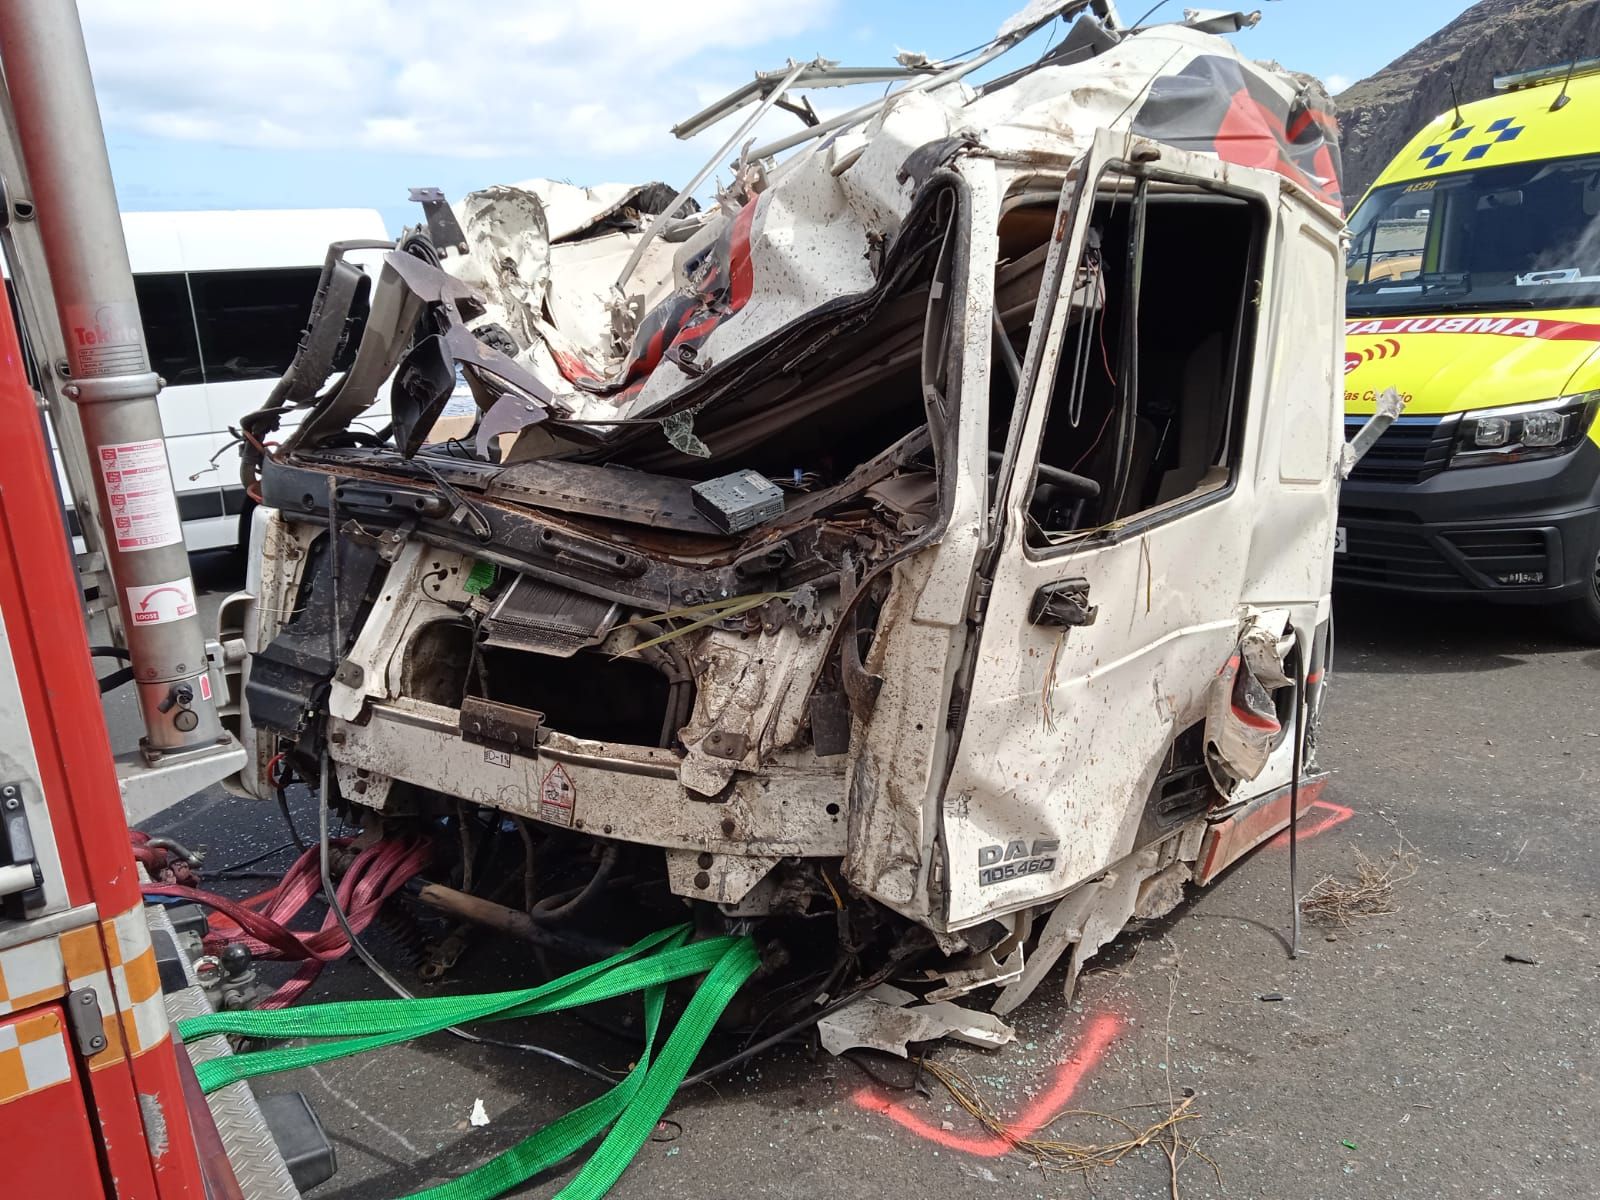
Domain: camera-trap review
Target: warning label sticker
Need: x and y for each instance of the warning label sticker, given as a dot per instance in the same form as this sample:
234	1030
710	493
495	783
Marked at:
158	603
557	796
140	506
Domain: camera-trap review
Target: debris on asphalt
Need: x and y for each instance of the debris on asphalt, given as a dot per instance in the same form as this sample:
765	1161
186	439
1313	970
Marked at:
1051	1154
1272	996
1513	957
1348	1144
885	1019
480	1115
1334	901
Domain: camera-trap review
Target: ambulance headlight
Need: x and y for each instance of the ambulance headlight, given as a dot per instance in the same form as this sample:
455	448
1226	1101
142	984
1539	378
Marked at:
1492	431
1544	428
1524	431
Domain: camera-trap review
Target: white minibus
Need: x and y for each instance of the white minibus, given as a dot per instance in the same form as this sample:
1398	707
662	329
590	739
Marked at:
224	297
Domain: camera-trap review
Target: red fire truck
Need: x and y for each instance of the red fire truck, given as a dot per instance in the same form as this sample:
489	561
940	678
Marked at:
94	1100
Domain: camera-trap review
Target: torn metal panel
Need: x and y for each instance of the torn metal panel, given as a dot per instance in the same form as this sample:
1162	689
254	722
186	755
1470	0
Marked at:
976	971
762	252
1389	407
913	499
721	878
1214	105
1243	725
1083	922
533	615
886	1019
411	597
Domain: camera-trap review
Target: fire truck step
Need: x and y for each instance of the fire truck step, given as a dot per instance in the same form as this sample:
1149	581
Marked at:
253	1151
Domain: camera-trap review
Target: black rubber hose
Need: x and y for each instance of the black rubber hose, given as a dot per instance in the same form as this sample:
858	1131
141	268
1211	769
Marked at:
597	882
895	963
283	807
232	868
111	682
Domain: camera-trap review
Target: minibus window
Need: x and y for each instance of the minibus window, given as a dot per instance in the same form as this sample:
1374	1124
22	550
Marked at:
250	321
168	320
1523	235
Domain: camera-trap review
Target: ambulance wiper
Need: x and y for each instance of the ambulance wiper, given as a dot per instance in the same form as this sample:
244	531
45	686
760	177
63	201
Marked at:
1445	283
1424	283
1485	303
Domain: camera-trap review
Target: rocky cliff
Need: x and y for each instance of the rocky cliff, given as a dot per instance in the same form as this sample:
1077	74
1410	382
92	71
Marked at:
1378	115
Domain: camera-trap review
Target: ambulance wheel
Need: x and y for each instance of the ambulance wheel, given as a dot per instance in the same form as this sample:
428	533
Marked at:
1582	616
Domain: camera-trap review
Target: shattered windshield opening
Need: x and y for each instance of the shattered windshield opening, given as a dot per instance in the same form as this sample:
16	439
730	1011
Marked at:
817	461
1520	236
811	410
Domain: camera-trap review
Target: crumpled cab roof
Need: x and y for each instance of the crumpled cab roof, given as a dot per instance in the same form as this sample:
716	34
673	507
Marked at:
777	246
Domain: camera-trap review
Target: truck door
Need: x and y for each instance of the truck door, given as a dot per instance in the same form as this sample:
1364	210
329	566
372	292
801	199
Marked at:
1125	510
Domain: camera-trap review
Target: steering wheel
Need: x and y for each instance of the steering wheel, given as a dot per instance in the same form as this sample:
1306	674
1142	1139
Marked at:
1059	496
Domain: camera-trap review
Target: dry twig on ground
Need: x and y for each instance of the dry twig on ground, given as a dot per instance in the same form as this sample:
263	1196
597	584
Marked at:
1051	1154
1335	901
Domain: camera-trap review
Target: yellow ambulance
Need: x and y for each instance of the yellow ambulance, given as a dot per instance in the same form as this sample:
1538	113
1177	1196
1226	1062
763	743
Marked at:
1474	289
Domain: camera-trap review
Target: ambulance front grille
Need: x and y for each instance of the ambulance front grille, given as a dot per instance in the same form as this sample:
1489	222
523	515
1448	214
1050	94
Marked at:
1410	450
1389	553
1395	556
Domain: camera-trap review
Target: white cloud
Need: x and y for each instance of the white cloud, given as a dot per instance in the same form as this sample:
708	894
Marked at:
1336	83
501	77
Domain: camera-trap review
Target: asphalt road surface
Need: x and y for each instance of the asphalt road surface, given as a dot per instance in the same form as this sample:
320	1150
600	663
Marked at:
1405	1055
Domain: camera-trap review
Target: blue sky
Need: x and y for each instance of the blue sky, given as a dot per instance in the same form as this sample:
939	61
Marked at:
347	103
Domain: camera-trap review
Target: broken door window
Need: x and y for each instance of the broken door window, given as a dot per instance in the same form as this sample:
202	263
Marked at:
1150	388
1024	240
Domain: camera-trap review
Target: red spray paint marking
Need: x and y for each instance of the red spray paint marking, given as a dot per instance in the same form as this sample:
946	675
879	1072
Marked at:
1096	1041
1338	814
1091	1048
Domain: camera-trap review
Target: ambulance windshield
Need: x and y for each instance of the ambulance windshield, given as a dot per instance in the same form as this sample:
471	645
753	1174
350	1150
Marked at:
1520	236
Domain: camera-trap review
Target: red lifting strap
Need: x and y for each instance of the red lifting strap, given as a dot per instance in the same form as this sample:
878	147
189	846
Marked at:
261	922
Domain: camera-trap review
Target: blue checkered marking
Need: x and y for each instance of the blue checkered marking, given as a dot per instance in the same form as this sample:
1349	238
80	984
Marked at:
1505	129
1436	155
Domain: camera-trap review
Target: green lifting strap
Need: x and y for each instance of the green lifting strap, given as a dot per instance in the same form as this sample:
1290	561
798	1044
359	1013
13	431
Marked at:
629	1110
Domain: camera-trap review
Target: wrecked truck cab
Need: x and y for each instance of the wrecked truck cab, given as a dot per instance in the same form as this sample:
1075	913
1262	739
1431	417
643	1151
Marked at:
933	538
